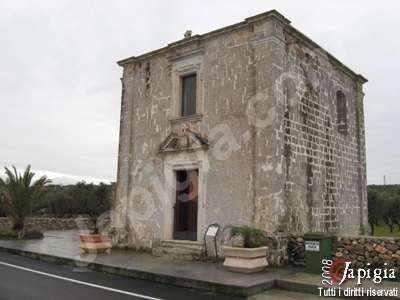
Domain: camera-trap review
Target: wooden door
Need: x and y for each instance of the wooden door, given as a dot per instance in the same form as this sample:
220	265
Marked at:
185	209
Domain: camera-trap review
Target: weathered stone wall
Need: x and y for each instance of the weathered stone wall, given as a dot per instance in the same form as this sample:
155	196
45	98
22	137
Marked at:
320	175
50	223
360	250
270	153
226	187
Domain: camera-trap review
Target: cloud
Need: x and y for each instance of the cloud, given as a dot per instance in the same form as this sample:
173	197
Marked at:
60	88
59	178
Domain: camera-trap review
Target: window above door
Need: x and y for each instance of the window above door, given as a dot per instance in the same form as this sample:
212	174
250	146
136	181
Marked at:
187	90
188	95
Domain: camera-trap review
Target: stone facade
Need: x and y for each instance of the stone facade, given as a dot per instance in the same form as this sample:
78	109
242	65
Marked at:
277	138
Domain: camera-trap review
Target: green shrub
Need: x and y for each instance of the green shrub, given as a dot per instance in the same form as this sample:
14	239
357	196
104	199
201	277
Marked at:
33	234
252	237
8	234
78	199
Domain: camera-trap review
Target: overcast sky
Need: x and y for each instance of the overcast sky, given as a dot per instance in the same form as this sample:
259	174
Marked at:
60	88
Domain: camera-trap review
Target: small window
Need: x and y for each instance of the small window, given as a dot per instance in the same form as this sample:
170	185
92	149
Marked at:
188	95
341	109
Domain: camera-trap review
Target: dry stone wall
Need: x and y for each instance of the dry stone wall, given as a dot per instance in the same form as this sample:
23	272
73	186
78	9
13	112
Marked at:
360	250
50	223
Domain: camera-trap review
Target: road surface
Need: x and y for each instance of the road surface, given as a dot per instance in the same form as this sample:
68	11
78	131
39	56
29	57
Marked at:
23	278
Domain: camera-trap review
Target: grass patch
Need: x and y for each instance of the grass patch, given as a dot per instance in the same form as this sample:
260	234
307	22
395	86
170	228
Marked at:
383	230
8	234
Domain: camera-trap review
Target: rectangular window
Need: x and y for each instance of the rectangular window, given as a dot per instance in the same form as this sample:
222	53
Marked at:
188	95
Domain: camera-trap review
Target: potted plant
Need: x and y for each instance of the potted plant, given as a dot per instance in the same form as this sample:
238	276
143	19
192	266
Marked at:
250	255
95	241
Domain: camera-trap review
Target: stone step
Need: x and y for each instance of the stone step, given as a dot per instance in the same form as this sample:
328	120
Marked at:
193	245
180	250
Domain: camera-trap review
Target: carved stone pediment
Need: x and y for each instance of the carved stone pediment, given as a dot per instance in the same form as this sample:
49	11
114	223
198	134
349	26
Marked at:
185	139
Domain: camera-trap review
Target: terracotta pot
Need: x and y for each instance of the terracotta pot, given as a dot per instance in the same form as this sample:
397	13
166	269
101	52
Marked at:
95	243
245	260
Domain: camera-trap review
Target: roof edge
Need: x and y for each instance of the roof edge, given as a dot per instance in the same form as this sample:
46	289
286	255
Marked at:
271	14
301	36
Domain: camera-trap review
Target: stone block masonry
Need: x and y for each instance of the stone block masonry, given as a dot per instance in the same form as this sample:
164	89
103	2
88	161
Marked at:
322	148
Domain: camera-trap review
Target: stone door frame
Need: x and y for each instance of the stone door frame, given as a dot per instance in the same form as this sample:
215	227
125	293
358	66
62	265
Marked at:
170	174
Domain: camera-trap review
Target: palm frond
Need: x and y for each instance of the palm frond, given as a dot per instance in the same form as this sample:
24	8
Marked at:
20	194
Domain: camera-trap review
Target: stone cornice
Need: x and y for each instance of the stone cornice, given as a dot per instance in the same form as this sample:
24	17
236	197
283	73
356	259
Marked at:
313	45
268	39
179	56
269	15
272	14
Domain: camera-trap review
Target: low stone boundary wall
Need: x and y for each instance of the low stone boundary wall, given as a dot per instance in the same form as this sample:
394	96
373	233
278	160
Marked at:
360	250
277	250
50	223
296	251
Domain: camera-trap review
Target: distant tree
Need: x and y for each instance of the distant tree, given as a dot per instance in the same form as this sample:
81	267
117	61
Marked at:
2	206
83	194
396	210
384	205
103	197
77	199
374	210
389	205
60	203
20	195
100	204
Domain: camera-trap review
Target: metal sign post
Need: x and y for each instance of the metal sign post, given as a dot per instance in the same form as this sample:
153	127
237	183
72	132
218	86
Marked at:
212	231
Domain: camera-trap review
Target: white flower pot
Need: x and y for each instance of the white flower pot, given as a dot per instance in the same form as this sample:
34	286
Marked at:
245	260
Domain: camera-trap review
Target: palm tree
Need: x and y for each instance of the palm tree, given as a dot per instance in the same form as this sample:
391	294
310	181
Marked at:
20	195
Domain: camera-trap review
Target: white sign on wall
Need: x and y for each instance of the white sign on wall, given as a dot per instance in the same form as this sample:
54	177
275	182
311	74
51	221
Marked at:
312	246
212	231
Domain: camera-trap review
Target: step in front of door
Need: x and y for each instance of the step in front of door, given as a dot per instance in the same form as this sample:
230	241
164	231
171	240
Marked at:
180	250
